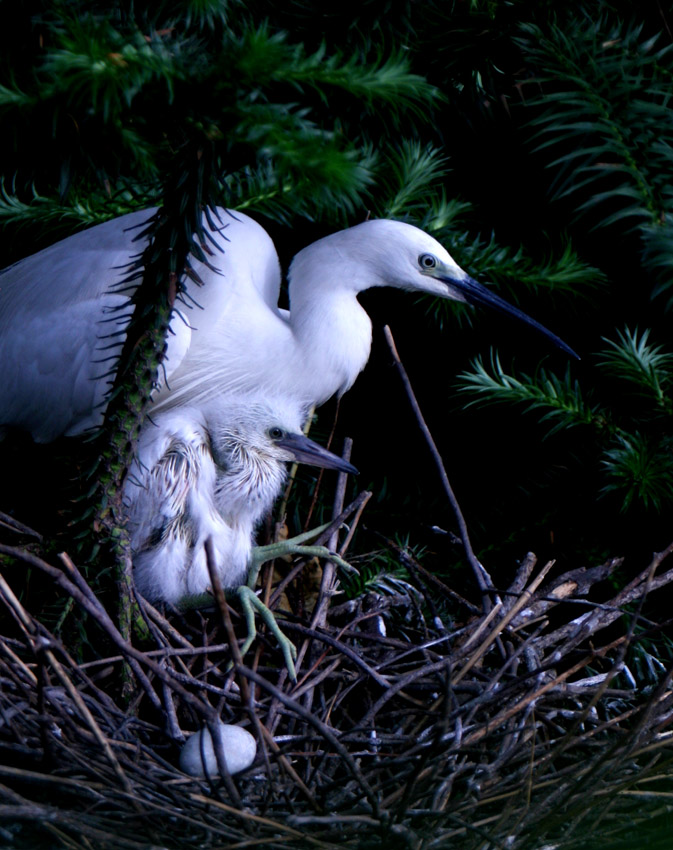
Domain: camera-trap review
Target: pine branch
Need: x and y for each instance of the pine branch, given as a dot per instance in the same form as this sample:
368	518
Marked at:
640	470
604	105
45	212
637	466
312	159
103	69
411	175
514	268
173	234
648	367
265	57
13	98
561	400
204	14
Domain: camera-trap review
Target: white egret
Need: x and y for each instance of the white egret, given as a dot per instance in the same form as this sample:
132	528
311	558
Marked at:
55	317
59	307
320	346
215	471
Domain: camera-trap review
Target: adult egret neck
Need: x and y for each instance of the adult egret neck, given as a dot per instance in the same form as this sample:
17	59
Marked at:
320	346
59	308
326	277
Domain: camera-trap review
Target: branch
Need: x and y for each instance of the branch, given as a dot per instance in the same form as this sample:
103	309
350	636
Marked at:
483	579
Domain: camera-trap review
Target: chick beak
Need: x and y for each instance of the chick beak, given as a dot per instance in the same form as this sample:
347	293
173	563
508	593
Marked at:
304	450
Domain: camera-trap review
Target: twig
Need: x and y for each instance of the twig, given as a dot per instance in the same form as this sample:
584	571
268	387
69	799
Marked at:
322	729
328	579
356	506
103	619
482	577
14	525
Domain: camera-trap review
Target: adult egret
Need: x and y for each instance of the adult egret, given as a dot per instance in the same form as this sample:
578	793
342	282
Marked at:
214	471
60	311
320	346
59	306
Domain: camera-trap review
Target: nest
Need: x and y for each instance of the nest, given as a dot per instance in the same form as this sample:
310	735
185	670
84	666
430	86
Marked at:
513	725
418	719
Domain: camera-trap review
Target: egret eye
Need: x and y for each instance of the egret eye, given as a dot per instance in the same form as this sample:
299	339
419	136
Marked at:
427	261
276	433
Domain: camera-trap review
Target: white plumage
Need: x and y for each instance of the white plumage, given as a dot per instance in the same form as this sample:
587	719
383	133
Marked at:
212	471
205	465
59	309
55	312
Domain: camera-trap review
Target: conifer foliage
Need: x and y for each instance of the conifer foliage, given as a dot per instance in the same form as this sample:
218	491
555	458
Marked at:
597	118
534	141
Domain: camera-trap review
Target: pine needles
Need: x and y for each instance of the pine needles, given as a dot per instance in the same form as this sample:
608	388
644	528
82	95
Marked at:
605	115
635	440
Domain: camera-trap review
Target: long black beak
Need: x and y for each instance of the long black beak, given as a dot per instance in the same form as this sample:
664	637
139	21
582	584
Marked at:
306	451
478	295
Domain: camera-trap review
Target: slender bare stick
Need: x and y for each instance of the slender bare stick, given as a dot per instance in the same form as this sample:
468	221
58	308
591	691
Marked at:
134	656
221	600
43	644
483	579
10	522
357	506
328	581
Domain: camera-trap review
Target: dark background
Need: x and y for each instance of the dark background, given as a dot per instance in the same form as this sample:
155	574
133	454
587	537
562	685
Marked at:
496	69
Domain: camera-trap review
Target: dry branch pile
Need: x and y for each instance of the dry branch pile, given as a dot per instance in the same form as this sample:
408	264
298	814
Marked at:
501	731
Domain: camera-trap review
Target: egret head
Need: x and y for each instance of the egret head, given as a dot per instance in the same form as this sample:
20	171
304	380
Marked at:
269	432
251	442
391	253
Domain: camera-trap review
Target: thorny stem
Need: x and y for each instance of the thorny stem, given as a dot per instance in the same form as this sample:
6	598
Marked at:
152	282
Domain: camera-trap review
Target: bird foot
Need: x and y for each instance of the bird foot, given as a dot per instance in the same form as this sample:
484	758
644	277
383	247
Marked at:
251	602
294	546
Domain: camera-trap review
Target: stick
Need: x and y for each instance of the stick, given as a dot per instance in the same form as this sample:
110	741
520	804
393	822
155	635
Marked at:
483	579
328	582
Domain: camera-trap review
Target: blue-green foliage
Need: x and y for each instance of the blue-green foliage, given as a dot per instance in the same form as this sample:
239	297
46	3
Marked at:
534	140
123	94
635	440
605	124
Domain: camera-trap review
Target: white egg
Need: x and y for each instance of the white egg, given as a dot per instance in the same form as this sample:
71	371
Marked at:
239	748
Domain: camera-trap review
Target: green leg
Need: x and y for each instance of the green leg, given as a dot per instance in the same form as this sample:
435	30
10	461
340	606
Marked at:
249	602
293	546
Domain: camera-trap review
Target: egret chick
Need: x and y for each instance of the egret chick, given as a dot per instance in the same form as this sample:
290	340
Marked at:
214	472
